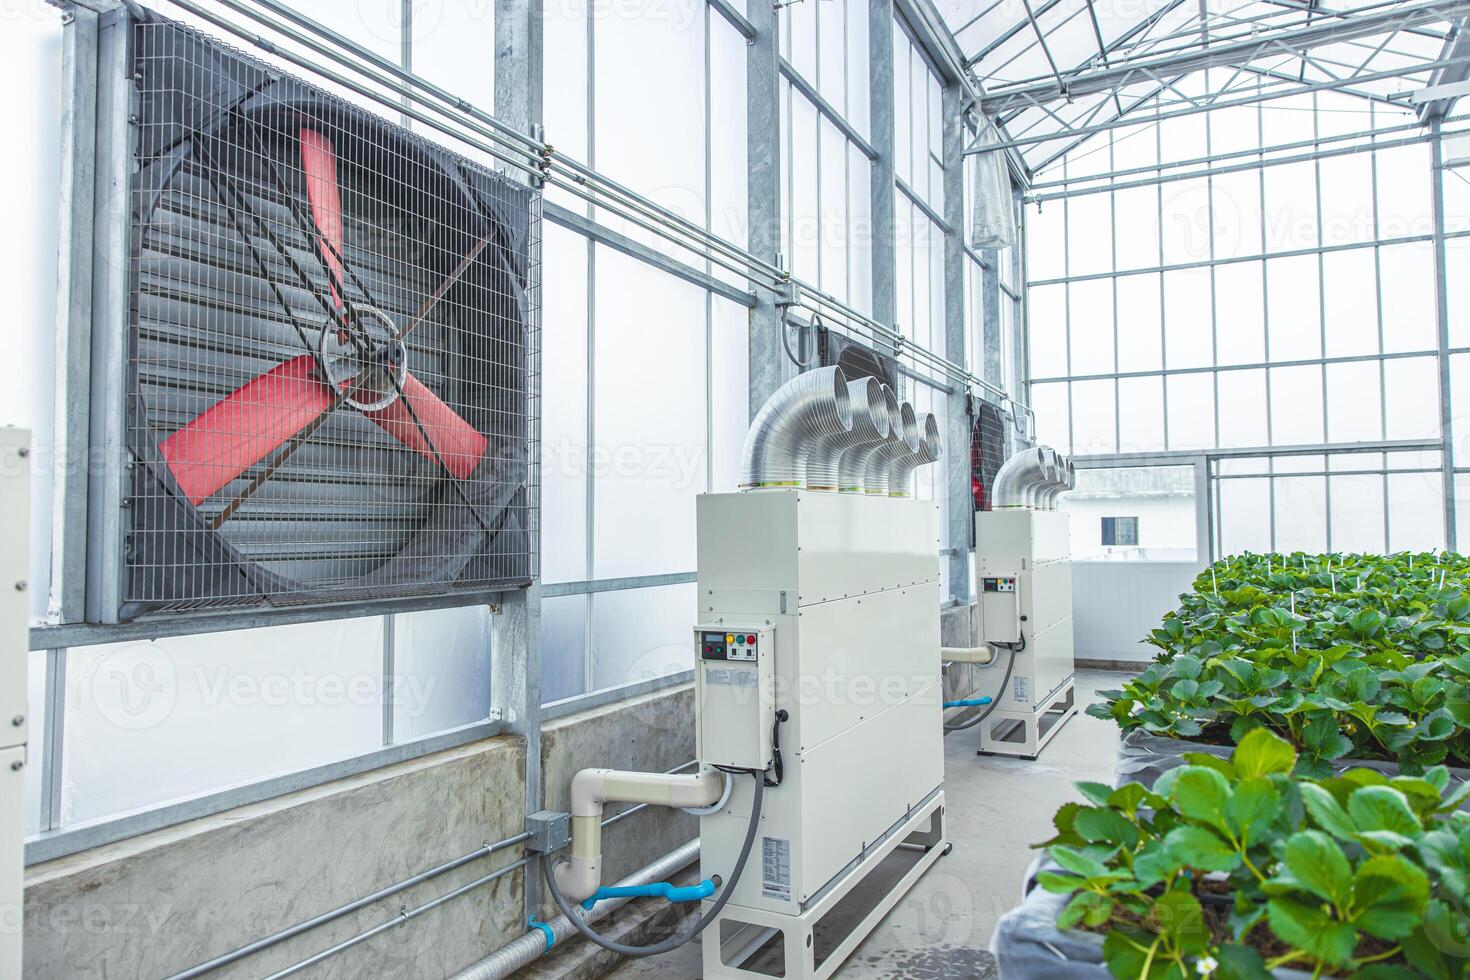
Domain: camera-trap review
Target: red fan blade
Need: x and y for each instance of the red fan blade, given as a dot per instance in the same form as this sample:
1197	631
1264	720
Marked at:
319	161
460	444
245	426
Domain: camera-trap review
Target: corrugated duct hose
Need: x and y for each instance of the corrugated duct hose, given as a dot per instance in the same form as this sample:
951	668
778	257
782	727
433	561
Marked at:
676	940
1015	649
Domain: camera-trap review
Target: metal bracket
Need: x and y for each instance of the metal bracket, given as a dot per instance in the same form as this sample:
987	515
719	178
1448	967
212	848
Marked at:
550	830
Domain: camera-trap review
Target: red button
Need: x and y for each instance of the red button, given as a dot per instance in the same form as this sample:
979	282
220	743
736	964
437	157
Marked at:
750	639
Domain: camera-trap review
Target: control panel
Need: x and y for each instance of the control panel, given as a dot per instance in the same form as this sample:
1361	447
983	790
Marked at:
1000	609
735	689
720	645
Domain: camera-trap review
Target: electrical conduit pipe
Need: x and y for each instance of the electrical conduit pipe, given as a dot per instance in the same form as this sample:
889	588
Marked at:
581	875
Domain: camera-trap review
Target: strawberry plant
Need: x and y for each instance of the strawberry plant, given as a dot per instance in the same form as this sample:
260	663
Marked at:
1236	868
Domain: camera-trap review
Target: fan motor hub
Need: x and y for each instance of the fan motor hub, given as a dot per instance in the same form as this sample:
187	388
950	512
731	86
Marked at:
372	376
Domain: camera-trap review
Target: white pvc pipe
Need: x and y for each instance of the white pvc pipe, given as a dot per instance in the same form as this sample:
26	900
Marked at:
592	789
967	655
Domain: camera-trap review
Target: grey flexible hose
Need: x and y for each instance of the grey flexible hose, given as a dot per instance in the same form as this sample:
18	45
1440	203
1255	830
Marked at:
1010	665
727	889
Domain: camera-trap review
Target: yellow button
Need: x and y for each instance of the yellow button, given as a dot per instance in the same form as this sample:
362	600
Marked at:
729	638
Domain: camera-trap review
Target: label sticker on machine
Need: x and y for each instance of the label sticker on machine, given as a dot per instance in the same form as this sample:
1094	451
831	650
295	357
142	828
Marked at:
776	868
730	676
1022	689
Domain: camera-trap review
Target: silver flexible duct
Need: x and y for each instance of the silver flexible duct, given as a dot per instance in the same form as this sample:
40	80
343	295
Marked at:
903	441
1050	476
929	451
1015	478
870	424
852	464
809	406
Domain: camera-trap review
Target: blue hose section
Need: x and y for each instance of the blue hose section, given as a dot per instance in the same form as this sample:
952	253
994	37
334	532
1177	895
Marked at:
545	929
659	889
967	703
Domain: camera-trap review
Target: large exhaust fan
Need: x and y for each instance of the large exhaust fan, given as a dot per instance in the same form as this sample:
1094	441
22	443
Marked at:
331	349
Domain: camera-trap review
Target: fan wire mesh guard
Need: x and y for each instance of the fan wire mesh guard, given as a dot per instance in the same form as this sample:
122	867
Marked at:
987	452
334	347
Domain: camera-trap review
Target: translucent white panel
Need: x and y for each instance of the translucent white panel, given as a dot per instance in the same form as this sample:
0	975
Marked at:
729	391
1347	199
1296	405
1354	402
1046	241
1235	128
1294	308
1188	318
1415	512
1409	311
1183	138
1187	221
563	647
30	62
564	102
1141	414
1135	146
564	408
806	224
936	118
1354	462
441	670
799	23
1089	234
1341	114
1240	311
1350	298
1287	120
1403	193
919	116
1236	198
1459	399
651	73
1091	305
1137	232
376	26
649	449
859	104
1053	415
832	194
783	108
202	713
1457	269
1191	408
1301	514
860	239
903	125
35	750
1047	315
1357	514
1244	518
1291	207
728	170
1140	336
1411	393
641	634
1457	186
453	45
1243	409
925	240
1094	417
905	221
831	76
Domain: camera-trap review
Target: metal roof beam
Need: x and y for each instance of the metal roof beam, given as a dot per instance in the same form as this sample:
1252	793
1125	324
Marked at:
1187	61
1456	47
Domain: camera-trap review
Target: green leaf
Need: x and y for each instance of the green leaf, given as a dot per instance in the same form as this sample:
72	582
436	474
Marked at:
1095	793
1389	895
1199	848
1177	914
1088	907
1201	794
1326	812
1240	963
1078	861
1263	753
1309	928
1383	808
1317	864
1100	825
1253	806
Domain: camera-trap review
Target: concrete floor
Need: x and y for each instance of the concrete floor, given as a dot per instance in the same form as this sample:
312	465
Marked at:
996	808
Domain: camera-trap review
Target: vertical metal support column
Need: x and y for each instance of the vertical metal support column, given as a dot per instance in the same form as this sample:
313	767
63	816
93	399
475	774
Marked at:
68	459
1442	314
961	505
515	661
881	133
768	365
